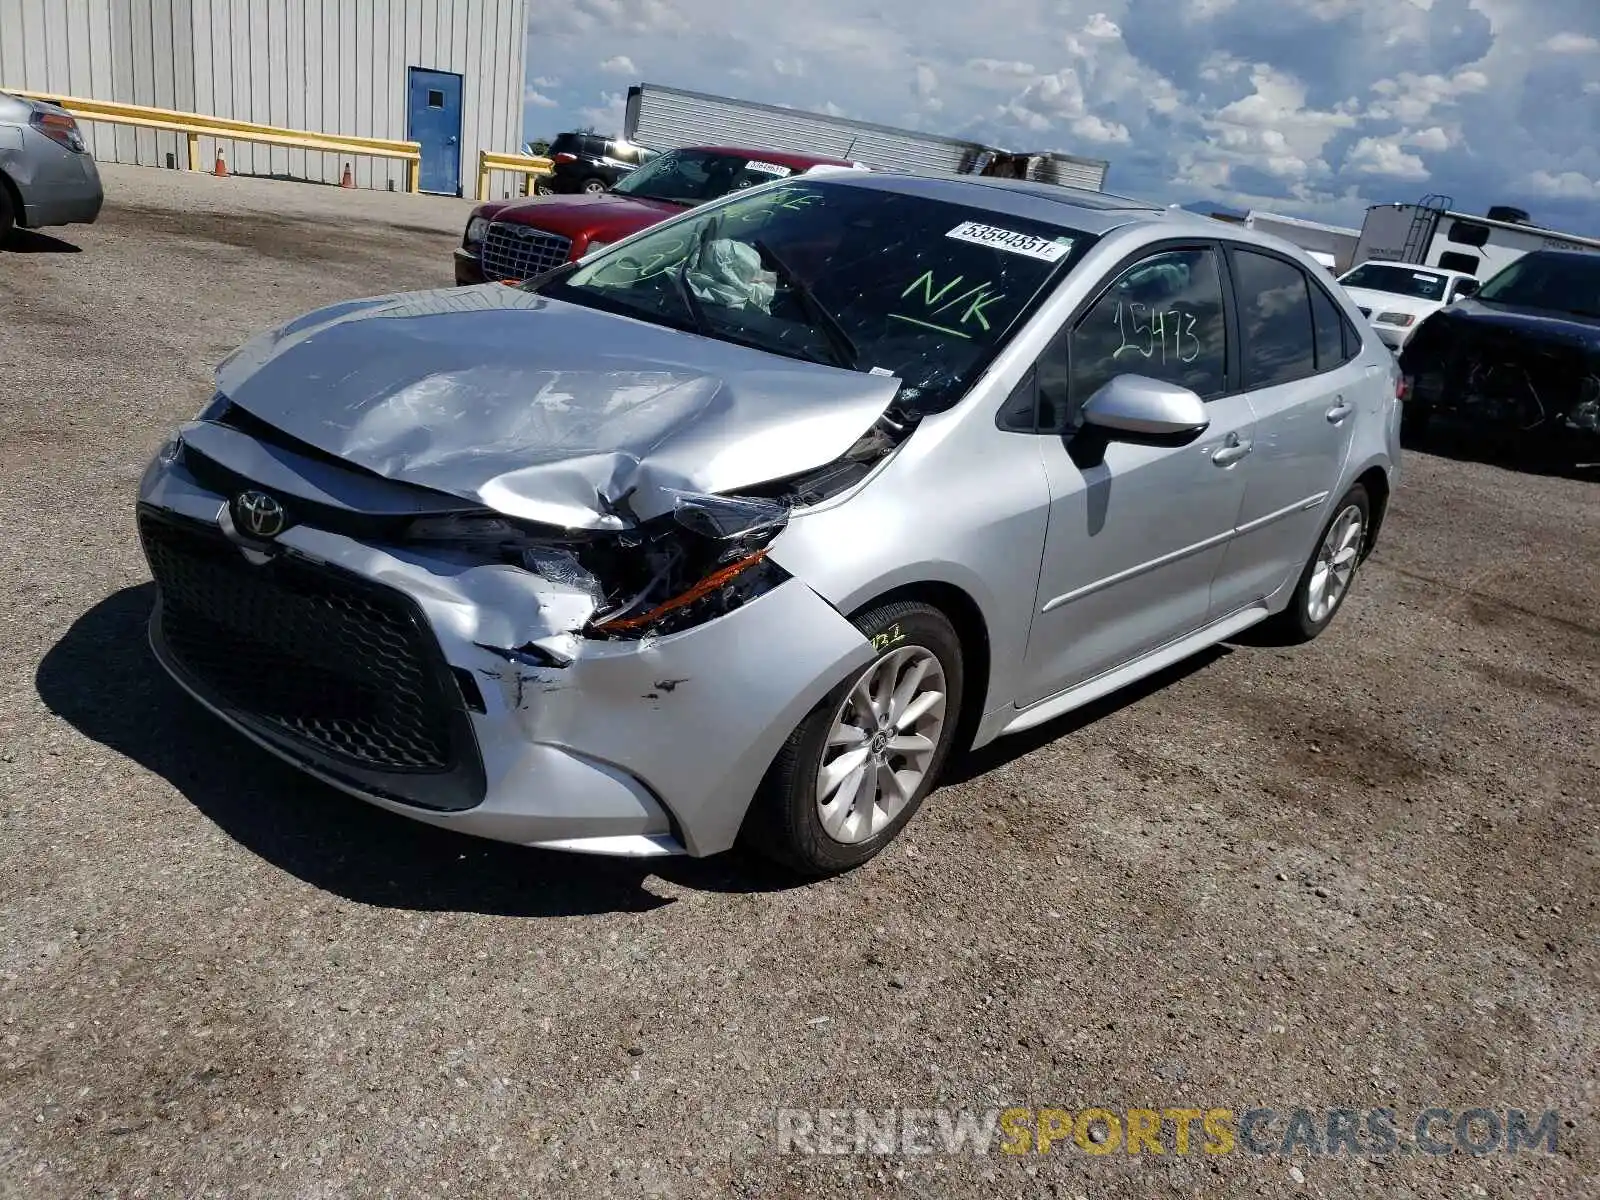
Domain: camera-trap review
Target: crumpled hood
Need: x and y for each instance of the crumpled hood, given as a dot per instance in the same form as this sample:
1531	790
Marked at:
544	410
1470	315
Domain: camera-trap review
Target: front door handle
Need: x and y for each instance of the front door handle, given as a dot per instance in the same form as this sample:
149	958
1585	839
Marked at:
1231	453
1340	411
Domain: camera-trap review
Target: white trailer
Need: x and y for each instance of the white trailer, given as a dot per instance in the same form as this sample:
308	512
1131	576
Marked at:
1430	233
665	118
1333	246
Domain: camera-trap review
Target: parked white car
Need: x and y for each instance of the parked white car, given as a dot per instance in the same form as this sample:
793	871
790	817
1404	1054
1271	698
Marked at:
1398	297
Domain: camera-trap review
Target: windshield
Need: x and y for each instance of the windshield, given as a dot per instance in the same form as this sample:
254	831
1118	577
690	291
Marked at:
692	177
858	277
1556	283
1402	281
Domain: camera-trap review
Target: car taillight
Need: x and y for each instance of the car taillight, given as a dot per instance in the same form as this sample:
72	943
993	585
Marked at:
1402	387
59	128
564	157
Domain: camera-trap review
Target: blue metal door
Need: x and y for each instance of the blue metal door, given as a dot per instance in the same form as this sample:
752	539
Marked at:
434	119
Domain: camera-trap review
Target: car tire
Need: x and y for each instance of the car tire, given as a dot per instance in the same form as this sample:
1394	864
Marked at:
8	218
787	822
1312	608
594	185
541	187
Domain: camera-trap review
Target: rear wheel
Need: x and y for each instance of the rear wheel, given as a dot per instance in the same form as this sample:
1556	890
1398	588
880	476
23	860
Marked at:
594	185
1327	577
8	218
862	762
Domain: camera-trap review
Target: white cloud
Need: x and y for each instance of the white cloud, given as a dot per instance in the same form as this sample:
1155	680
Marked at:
532	95
544	81
1432	138
1568	185
1313	106
1381	156
619	64
1102	26
1094	129
607	116
1411	98
995	66
1572	43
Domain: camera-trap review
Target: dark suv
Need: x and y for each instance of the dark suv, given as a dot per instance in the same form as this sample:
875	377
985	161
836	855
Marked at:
589	162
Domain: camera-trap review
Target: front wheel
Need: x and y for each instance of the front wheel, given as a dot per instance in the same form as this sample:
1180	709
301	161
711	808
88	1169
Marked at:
7	217
1327	577
862	762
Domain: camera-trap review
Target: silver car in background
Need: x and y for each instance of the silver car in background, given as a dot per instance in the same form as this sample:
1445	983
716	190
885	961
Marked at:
47	175
737	529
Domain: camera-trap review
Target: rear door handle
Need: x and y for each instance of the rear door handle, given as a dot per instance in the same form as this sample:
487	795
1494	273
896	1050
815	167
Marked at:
1231	453
1340	410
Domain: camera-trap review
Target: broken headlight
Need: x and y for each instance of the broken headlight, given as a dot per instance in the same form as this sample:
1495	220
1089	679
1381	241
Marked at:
705	558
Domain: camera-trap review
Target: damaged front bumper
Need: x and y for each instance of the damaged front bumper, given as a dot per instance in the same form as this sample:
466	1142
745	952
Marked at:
463	695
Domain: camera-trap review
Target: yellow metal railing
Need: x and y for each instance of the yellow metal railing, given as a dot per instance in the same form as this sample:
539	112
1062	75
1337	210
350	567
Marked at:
525	165
196	126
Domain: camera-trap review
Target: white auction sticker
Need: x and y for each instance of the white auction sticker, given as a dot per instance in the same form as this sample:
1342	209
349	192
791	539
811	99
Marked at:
1007	239
767	168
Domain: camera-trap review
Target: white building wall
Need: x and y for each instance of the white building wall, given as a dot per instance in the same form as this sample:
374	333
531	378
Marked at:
333	66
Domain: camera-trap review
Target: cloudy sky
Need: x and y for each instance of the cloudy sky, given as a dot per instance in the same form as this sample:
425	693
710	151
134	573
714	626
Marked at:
1314	107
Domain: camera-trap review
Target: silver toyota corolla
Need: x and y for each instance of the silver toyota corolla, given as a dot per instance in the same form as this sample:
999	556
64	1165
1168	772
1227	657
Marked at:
735	530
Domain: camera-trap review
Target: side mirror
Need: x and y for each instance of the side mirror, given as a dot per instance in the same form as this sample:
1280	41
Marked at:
1466	287
1145	407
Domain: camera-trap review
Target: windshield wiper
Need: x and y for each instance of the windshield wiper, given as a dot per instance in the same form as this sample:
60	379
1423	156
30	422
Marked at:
844	346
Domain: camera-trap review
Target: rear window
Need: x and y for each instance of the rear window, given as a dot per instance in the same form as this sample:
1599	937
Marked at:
868	279
692	177
1417	283
567	143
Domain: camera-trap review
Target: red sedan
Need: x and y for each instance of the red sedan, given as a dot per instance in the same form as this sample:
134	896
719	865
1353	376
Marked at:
518	239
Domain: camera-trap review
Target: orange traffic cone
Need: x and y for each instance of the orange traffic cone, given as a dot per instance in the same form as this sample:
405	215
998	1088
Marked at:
347	181
220	170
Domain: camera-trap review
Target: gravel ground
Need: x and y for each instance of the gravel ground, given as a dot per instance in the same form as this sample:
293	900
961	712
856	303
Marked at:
1357	874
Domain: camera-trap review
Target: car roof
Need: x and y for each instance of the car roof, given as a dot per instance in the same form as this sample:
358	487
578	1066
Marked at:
1079	209
1563	255
784	158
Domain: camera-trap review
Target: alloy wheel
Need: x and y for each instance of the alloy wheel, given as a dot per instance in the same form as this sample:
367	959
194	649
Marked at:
881	744
1336	564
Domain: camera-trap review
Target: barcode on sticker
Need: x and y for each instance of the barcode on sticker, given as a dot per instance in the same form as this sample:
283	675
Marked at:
1010	239
767	168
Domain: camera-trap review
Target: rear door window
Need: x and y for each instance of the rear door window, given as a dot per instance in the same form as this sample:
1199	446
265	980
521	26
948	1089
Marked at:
1328	326
1279	341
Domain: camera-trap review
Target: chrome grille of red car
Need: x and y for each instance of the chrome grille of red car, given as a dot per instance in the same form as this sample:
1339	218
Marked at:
521	252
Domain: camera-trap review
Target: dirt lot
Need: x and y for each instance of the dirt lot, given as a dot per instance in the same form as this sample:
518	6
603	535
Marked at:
1359	874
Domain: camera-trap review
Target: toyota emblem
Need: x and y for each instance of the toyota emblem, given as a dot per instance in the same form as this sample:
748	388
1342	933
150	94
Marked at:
259	515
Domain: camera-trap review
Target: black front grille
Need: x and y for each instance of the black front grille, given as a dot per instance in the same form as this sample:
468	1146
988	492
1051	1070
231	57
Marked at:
340	667
521	252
